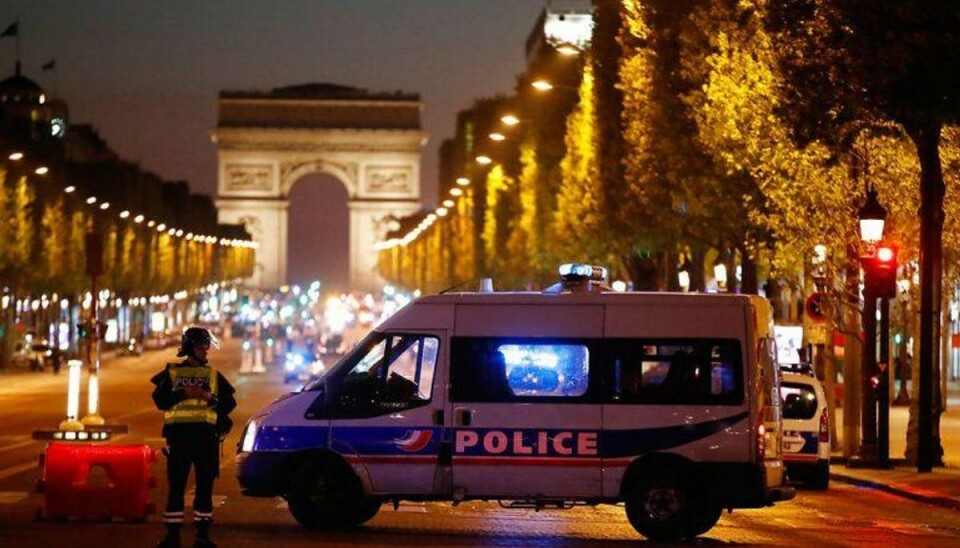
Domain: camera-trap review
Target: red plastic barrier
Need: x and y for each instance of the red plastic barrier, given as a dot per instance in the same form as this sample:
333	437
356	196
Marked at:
96	481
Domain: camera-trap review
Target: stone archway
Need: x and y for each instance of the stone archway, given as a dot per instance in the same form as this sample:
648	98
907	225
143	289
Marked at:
266	141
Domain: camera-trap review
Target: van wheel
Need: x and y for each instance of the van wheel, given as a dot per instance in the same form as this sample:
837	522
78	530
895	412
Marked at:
819	477
703	520
321	496
366	510
659	505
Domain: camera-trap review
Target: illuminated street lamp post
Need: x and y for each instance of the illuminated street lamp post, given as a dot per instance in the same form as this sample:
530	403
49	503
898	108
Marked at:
94	252
872	218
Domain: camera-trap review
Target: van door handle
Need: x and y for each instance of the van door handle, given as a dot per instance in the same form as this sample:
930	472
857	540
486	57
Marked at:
438	417
463	416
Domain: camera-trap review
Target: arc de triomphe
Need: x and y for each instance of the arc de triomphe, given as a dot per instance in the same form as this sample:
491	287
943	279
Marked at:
267	141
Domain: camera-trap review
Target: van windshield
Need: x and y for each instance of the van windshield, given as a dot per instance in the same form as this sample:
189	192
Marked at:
385	373
348	362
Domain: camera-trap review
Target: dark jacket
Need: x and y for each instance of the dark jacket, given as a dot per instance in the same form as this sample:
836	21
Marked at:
165	397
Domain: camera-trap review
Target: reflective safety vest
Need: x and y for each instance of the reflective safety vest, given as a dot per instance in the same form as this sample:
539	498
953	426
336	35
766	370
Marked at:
192	410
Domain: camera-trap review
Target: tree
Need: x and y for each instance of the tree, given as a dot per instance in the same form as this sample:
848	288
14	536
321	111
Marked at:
54	243
852	64
525	240
578	224
496	218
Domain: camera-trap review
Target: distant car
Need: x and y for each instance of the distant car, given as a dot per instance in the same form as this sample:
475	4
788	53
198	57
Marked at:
132	348
806	429
303	364
331	343
155	341
32	355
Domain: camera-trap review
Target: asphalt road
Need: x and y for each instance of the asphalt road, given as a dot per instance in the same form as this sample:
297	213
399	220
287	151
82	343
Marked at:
842	516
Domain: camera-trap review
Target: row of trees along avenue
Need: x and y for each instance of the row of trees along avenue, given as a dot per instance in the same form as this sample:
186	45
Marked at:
740	132
43	247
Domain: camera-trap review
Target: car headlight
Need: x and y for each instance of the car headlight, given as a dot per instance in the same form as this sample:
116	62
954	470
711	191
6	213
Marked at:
249	437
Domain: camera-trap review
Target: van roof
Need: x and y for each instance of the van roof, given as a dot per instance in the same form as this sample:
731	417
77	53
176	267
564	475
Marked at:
612	297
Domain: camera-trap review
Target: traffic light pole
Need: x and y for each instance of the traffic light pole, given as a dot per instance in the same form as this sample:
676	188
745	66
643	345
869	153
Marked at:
883	389
867	455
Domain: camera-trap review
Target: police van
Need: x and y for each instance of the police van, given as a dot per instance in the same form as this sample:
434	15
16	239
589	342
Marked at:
668	403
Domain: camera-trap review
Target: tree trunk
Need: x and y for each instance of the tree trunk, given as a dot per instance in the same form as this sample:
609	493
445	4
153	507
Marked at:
851	356
910	453
748	273
698	281
926	137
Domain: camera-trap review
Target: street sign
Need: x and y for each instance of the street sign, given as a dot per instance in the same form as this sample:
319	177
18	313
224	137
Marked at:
817	333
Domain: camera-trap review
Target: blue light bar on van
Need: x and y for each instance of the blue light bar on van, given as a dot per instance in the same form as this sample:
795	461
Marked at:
578	272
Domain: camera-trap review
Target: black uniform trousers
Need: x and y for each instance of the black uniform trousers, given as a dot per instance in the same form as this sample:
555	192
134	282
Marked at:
194	446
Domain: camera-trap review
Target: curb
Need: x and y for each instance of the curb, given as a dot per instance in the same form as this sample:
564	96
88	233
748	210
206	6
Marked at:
945	502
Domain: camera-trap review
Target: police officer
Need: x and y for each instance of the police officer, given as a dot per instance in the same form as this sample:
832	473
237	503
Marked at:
196	401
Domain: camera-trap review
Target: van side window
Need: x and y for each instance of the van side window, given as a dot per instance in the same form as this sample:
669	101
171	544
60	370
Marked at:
395	373
665	372
493	369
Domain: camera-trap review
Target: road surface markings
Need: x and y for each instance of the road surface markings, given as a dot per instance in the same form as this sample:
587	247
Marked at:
18	469
413	507
27	441
13	497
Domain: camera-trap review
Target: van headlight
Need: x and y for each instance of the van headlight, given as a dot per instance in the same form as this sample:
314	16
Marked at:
249	437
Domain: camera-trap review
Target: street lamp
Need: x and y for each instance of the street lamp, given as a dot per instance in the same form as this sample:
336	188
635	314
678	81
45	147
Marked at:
872	218
568	49
510	119
541	85
874	447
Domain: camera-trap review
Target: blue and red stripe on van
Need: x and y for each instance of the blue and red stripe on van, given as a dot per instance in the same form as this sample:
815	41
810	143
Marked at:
485	446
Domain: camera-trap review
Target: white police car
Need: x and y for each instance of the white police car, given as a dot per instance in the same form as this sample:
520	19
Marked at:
806	426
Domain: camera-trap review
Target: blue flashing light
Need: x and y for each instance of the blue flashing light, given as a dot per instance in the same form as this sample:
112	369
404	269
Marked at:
577	271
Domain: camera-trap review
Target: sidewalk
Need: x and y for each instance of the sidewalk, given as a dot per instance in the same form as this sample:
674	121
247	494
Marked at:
940	487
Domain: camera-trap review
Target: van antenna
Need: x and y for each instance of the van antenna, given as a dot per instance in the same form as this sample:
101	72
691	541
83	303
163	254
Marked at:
456	286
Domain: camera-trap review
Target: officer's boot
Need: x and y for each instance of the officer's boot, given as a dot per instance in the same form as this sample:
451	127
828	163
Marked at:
203	535
172	540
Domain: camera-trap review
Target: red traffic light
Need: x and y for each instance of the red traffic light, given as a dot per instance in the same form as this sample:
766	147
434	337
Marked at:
886	254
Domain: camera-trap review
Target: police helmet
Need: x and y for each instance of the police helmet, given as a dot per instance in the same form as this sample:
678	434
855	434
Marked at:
196	336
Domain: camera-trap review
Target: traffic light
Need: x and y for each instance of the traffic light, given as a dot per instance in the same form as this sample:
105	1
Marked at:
882	271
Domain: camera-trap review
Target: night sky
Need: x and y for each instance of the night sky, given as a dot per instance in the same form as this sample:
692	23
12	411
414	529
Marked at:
146	73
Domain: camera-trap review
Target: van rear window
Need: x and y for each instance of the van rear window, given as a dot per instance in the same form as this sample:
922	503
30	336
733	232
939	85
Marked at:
799	401
680	372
